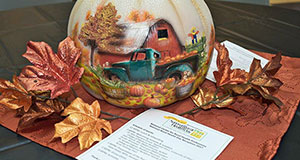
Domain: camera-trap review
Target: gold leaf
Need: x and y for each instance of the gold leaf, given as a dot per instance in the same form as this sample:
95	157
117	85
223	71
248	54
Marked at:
238	88
203	97
226	102
82	121
79	106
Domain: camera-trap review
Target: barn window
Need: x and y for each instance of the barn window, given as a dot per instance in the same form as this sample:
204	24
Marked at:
162	34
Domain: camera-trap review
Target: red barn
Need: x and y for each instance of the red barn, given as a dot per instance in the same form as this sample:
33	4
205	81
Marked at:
157	34
163	38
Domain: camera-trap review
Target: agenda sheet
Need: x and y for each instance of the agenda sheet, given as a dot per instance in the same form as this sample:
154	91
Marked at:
160	135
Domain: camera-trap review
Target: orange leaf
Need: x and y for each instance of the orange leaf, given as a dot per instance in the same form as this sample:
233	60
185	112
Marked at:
14	95
82	121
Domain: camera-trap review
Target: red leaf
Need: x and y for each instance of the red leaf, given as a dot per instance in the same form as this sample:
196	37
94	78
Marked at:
55	72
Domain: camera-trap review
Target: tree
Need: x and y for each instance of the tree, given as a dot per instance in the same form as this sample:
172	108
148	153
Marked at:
101	30
139	16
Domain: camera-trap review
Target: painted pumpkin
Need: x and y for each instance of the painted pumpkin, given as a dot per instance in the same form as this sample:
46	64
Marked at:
152	102
137	91
134	50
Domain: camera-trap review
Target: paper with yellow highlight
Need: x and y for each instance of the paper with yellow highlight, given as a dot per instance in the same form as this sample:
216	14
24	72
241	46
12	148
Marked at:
160	135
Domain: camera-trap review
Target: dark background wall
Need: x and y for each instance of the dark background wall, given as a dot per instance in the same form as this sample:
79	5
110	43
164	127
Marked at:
11	4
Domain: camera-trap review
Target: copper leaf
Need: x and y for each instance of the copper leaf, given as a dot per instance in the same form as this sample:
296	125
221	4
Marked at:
55	72
261	76
40	109
226	75
259	81
13	95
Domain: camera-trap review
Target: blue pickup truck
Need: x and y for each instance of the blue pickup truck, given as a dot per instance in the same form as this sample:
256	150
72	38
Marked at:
144	66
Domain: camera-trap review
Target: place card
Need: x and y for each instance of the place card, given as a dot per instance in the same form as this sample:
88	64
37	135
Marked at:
240	57
160	135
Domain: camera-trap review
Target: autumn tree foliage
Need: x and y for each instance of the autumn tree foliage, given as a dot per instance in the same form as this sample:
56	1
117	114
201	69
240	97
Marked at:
101	31
140	16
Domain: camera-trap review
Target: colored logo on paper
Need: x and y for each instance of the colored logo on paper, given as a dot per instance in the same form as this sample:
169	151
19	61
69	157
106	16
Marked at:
182	126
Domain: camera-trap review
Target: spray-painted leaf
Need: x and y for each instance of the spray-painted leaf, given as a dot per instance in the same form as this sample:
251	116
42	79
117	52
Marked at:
259	76
82	121
40	109
267	95
203	97
238	88
226	75
206	99
55	72
274	65
13	95
259	81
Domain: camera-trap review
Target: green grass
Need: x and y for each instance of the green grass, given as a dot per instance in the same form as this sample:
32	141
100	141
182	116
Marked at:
104	81
197	46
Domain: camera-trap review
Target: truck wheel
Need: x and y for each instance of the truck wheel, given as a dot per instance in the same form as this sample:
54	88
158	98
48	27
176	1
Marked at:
112	77
177	76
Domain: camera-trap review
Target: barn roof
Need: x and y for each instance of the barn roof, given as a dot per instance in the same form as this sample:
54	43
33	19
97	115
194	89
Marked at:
134	36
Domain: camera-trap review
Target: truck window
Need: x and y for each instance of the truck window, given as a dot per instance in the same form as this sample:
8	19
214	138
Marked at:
156	56
139	56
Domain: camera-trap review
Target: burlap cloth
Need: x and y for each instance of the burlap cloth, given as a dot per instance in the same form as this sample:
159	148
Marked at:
256	135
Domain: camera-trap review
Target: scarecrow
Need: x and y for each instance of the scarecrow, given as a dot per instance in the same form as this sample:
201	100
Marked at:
193	35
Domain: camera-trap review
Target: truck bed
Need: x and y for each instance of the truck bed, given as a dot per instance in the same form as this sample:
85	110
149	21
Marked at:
193	61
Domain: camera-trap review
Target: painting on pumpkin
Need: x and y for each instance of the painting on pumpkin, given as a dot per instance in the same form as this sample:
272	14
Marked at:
140	61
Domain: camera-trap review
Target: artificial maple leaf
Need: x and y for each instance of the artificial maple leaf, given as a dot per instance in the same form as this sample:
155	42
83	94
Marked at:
226	75
262	80
259	80
263	77
14	95
207	99
82	121
40	109
55	72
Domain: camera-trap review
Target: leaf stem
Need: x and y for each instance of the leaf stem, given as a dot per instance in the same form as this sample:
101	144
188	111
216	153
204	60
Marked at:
110	119
48	98
115	116
216	93
199	108
68	102
74	92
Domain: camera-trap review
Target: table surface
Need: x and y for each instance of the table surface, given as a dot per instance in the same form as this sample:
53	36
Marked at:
261	28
